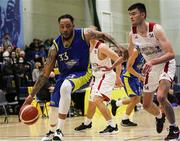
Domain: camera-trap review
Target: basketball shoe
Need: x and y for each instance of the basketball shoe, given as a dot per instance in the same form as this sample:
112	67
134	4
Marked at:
58	135
110	130
83	127
127	122
173	133
114	107
160	123
49	136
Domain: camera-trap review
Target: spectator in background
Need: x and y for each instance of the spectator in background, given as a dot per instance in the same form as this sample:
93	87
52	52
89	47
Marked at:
36	71
47	45
18	50
1	53
14	59
39	53
6	41
35	52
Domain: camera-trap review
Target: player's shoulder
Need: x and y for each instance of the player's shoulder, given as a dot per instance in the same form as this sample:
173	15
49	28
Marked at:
157	27
103	45
130	33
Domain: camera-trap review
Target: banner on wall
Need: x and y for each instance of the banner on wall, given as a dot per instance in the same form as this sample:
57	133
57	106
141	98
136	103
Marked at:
11	21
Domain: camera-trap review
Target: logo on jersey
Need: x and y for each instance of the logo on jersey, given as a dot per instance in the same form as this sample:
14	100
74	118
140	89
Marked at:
146	87
151	35
71	76
71	63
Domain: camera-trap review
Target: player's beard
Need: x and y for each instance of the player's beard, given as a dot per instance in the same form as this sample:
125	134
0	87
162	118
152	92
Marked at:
69	37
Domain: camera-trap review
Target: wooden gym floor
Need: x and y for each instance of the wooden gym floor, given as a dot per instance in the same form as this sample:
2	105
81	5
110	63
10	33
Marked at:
145	131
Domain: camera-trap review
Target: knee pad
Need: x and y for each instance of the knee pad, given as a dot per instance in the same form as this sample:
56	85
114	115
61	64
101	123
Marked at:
65	100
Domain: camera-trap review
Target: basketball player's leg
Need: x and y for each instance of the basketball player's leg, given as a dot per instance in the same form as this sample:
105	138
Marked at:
148	104
153	109
130	107
133	91
53	114
88	120
104	89
102	107
71	83
111	128
162	92
133	101
91	110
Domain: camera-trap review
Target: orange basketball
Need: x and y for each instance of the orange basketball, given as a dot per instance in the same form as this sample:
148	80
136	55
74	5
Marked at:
29	114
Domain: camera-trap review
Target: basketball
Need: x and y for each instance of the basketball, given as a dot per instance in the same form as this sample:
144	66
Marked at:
29	114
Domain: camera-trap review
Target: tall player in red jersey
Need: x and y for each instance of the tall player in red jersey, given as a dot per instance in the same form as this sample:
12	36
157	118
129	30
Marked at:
159	68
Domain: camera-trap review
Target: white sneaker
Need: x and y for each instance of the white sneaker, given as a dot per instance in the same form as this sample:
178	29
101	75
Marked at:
58	135
49	136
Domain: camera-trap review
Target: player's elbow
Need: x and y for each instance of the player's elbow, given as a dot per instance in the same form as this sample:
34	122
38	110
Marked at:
172	55
128	68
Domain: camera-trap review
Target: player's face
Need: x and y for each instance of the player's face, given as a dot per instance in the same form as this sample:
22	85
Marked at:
66	28
136	17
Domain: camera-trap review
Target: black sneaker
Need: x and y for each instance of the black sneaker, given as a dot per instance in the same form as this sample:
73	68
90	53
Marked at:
114	107
83	127
58	135
173	133
160	123
127	123
49	136
110	130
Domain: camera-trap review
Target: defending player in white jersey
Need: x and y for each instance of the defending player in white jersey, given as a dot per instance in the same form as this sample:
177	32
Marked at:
101	55
159	68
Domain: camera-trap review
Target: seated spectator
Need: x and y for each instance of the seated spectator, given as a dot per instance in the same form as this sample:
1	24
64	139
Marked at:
36	71
1	53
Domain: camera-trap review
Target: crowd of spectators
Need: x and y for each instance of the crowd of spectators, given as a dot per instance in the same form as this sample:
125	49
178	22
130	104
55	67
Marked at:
20	67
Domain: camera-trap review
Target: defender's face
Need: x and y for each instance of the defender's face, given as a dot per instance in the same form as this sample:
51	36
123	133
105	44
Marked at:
66	28
136	17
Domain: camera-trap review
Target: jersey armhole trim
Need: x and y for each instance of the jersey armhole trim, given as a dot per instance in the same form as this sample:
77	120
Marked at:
55	44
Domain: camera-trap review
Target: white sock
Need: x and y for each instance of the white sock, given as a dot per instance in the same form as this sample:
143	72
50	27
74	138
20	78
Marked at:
61	124
125	117
159	116
53	118
111	123
119	103
53	128
174	124
87	121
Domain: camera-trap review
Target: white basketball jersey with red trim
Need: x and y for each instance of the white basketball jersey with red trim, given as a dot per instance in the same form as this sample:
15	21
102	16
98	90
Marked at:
151	49
149	45
96	62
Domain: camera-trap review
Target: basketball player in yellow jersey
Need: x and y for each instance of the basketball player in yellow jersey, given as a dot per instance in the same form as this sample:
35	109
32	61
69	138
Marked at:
159	68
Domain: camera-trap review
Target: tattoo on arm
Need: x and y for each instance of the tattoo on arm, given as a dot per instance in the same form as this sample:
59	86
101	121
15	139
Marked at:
39	84
93	34
49	65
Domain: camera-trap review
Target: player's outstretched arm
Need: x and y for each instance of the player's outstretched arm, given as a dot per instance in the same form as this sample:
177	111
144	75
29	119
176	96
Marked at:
94	34
130	62
48	67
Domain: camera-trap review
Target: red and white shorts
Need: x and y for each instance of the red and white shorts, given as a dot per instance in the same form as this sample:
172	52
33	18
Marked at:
159	72
103	86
